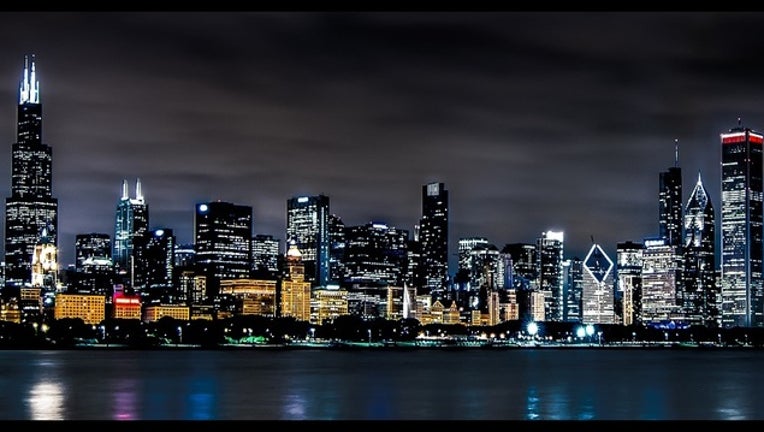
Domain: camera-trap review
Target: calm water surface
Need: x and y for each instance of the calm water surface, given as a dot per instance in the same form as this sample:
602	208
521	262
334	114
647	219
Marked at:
371	385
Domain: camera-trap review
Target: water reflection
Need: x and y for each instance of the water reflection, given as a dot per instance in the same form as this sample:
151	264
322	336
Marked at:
125	400
532	404
46	400
201	399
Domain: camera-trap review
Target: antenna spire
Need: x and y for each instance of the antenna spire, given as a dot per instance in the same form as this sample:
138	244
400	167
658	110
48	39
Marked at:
739	122
592	236
29	89
138	192
676	152
124	189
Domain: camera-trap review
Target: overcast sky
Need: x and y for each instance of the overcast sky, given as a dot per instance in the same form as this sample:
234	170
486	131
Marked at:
533	121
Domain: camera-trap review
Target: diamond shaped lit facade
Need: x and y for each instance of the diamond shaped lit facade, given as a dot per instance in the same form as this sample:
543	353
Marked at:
598	297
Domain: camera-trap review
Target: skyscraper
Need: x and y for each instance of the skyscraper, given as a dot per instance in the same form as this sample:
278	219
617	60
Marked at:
660	273
93	263
629	271
573	276
670	202
433	236
31	208
308	226
223	242
131	225
700	295
376	255
92	245
597	296
159	260
742	290
336	249
550	255
265	256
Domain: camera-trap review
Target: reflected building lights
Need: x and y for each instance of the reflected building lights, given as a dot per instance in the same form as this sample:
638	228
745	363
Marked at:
46	401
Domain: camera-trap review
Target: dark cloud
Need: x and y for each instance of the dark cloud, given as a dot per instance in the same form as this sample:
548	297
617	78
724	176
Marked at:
534	121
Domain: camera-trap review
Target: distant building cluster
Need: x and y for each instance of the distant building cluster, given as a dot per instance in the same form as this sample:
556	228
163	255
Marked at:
324	269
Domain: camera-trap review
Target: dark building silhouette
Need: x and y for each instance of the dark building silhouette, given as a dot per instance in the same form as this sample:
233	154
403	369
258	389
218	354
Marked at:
308	226
742	295
265	256
94	269
223	242
31	207
159	260
131	225
433	237
701	296
336	249
670	203
573	289
375	255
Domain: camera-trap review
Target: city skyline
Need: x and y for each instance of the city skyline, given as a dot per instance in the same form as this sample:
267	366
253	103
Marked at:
385	128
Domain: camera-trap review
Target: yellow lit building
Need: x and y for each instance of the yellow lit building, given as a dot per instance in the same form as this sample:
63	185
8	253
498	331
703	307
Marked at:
89	307
156	312
328	304
9	311
295	291
258	296
537	305
126	306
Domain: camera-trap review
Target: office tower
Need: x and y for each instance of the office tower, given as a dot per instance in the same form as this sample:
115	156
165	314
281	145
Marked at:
223	242
31	208
185	257
523	265
670	202
433	236
550	256
130	228
375	255
159	260
480	261
414	274
573	287
700	297
308	225
295	290
91	246
742	295
629	271
465	246
265	256
659	282
597	297
336	249
93	265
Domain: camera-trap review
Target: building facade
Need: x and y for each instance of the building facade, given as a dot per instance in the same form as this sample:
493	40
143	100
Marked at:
742	289
31	207
597	297
433	237
629	271
308	226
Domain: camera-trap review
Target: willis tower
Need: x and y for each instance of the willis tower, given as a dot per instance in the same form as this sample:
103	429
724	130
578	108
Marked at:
31	207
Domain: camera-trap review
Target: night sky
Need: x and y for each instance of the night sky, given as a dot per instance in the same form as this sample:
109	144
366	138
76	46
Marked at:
534	121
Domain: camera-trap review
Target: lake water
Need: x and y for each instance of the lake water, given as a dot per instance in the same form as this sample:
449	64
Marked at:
544	384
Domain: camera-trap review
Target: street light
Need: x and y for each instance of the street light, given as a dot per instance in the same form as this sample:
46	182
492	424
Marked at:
589	331
313	333
580	332
369	330
180	334
533	329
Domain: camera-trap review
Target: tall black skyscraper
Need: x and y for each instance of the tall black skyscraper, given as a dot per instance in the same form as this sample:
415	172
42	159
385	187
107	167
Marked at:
131	226
308	226
742	291
670	203
700	296
336	249
159	259
31	207
433	236
223	242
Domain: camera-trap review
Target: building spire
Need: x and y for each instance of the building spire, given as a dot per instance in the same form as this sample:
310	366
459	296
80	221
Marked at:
29	90
676	152
700	182
138	192
125	190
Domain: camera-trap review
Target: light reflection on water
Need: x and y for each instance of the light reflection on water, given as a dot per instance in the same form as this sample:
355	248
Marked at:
298	385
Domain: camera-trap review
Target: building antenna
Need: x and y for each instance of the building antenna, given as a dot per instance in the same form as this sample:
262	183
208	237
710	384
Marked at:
592	239
676	153
739	122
